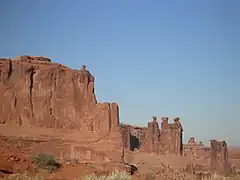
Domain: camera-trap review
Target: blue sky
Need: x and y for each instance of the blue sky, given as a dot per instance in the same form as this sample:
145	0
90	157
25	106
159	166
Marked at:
155	58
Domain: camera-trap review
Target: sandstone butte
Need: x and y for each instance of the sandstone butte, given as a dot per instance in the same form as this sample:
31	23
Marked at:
36	92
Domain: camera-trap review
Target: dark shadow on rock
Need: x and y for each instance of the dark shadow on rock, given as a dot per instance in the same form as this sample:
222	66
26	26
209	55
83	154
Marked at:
133	169
5	172
134	143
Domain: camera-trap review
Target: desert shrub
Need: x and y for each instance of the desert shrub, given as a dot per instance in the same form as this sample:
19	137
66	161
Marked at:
46	161
94	177
24	176
119	176
113	176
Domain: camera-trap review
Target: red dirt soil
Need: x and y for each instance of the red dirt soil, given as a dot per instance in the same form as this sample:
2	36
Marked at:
16	160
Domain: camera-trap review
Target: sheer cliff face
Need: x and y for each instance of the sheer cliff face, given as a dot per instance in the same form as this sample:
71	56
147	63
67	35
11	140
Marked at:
35	91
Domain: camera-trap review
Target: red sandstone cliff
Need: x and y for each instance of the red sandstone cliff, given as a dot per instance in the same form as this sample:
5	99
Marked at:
35	91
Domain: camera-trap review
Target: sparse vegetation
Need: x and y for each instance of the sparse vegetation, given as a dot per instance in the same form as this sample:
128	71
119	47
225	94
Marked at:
114	176
24	176
46	161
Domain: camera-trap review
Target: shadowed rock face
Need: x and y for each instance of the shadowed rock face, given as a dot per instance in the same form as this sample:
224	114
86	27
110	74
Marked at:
35	91
132	136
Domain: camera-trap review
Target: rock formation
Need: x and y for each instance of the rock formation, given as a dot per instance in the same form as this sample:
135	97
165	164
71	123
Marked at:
192	141
152	139
126	136
167	140
219	158
37	92
171	137
196	150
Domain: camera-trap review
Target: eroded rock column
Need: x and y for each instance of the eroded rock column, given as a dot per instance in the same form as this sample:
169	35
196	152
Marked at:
219	158
114	117
152	138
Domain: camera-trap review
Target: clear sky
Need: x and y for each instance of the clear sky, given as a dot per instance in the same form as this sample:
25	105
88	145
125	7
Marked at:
155	58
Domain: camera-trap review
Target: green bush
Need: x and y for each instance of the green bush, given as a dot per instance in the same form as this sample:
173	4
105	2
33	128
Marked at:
46	161
113	176
24	176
